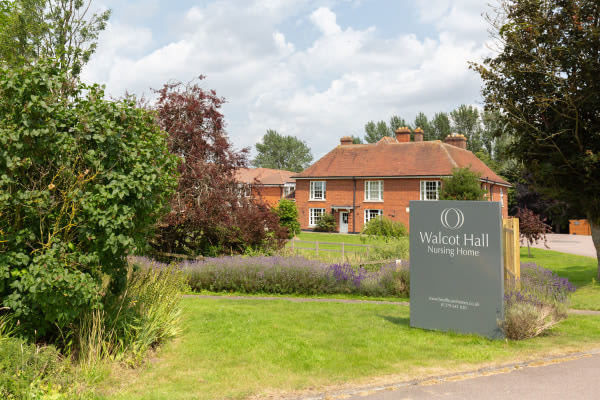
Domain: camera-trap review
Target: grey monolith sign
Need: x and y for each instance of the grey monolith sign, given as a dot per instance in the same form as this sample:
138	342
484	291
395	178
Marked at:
456	267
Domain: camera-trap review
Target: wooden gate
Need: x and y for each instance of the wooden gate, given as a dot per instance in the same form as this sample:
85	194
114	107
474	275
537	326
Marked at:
511	243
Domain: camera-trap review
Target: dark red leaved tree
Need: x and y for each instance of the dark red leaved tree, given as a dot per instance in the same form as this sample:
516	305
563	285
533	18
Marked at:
208	215
532	227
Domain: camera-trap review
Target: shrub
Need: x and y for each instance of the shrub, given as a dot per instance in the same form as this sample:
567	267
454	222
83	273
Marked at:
294	275
537	305
385	227
82	181
326	223
532	227
464	184
145	315
287	211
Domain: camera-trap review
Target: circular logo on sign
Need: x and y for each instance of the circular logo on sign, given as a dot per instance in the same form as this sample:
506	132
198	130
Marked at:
452	218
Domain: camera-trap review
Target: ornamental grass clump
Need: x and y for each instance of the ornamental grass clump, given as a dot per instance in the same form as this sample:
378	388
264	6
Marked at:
293	275
537	305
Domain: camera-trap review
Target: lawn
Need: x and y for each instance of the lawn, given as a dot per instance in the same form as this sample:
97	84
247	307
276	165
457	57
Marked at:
580	270
357	248
241	348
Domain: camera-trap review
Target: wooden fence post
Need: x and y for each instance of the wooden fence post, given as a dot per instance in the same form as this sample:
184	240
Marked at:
317	248
511	249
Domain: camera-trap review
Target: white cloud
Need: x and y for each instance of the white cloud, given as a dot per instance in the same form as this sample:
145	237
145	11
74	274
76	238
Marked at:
317	92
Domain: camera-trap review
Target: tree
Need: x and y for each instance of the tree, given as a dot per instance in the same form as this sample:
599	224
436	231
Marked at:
464	184
287	212
532	228
375	132
60	29
465	120
282	152
356	140
395	123
422	122
544	80
82	181
440	125
208	214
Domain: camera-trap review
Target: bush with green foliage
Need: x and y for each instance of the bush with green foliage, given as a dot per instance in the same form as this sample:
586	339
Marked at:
287	211
144	316
537	303
326	223
82	181
385	227
464	184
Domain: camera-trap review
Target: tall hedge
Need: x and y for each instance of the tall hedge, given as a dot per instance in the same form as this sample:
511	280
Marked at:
82	180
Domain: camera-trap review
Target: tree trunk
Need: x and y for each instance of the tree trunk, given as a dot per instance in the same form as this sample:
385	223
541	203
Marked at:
596	239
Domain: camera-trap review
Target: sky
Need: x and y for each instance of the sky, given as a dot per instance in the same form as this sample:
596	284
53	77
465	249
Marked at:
314	69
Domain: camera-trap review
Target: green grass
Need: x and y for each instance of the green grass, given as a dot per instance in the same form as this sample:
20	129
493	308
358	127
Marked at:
580	270
239	348
353	254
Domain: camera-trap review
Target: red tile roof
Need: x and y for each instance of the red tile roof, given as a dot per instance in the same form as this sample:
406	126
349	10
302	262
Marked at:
266	176
389	158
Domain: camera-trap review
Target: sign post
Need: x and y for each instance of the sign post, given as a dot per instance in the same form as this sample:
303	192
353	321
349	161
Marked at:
456	267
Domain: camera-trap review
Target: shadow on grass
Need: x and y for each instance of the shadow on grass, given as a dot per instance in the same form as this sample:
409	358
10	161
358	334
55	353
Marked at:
402	321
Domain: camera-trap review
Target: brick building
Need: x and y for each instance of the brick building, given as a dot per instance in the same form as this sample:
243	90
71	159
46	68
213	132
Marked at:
358	182
269	184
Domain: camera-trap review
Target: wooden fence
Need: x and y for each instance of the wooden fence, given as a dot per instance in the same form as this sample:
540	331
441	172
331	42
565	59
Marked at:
511	243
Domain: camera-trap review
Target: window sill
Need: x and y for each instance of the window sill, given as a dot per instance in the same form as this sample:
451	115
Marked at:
317	200
373	201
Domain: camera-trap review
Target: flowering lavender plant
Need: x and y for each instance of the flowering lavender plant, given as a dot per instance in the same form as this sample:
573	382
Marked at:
538	302
288	275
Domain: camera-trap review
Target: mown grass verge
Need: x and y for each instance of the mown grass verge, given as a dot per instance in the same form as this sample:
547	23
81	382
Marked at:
239	348
580	270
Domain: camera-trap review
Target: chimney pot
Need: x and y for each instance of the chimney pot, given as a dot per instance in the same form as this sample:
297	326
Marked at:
457	140
418	134
346	140
403	134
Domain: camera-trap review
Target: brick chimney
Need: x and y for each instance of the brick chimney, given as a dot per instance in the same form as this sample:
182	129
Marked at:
457	140
346	140
403	134
418	135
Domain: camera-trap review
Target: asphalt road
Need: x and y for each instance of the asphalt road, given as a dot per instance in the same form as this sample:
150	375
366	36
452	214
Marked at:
574	377
573	244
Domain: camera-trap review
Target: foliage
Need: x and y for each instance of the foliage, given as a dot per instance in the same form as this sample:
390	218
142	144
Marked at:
532	228
208	215
440	126
287	211
422	122
282	152
385	227
294	275
375	131
537	305
28	372
544	80
326	223
60	29
465	120
144	316
464	184
82	181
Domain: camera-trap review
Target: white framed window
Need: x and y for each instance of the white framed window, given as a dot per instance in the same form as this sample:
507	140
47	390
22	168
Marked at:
373	190
288	189
314	215
430	190
317	190
501	198
370	214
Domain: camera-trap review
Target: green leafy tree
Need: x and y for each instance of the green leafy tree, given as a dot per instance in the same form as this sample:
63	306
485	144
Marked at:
464	184
282	152
82	181
287	211
395	123
466	121
440	125
376	131
356	140
422	122
60	29
545	82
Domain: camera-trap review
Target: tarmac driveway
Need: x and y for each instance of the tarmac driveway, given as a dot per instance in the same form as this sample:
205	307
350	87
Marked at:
573	244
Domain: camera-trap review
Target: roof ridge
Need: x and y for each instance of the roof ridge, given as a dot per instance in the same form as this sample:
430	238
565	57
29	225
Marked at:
449	155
